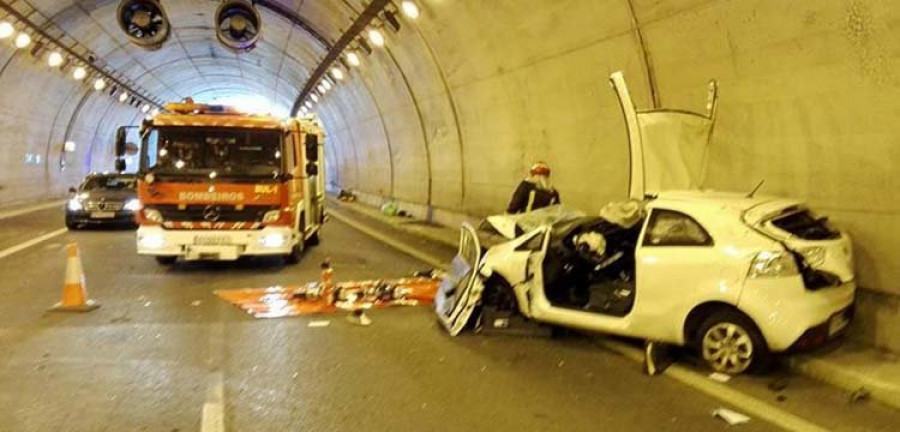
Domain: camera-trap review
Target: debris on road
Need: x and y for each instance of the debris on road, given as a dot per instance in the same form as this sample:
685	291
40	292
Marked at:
196	303
720	377
359	317
319	324
731	417
316	297
778	385
860	395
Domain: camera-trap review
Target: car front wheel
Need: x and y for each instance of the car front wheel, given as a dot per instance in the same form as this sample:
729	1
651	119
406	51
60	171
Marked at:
730	343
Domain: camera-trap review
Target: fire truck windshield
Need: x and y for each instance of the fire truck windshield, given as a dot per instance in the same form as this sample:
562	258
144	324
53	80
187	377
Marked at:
197	151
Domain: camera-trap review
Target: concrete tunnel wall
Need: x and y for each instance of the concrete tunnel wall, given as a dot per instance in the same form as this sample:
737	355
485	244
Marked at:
459	104
451	113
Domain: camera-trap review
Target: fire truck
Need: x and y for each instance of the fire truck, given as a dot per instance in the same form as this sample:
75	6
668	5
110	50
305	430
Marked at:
218	184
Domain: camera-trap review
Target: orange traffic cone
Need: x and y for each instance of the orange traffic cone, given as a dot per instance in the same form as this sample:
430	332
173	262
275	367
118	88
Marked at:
74	293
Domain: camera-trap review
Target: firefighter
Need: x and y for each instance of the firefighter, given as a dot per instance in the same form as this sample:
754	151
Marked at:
534	192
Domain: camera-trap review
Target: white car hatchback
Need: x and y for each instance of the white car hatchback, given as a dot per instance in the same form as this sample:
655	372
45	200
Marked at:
736	276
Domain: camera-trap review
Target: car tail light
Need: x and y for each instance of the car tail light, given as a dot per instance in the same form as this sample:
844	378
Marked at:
773	264
153	215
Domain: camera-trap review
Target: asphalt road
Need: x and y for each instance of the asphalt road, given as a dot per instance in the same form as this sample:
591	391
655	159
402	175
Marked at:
162	347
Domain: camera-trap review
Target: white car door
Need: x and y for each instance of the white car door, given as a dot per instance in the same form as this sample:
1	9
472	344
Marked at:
461	290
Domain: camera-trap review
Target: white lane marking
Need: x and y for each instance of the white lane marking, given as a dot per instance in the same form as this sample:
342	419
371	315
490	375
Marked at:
31	209
22	246
213	414
400	246
213	417
699	382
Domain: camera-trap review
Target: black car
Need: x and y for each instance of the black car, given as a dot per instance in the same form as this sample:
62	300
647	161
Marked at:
103	199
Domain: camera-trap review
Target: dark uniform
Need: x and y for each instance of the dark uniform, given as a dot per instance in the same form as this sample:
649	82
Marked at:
528	197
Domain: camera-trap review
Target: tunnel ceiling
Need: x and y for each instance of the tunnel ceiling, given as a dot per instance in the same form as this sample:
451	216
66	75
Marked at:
192	62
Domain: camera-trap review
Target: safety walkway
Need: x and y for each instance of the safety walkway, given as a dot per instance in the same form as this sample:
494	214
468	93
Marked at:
859	370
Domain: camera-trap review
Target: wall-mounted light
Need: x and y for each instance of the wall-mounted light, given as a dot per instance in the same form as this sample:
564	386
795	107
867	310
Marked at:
55	59
6	30
327	84
308	104
410	9
314	97
79	73
321	88
99	84
337	73
23	40
376	38
353	58
145	109
123	97
69	147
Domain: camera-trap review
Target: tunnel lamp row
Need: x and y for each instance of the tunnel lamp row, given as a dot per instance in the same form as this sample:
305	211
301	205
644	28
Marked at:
56	60
352	59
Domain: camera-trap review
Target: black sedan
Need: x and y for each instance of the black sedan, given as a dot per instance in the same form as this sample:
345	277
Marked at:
103	199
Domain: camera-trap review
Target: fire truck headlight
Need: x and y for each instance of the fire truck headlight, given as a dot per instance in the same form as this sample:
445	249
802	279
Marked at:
272	240
133	205
153	215
152	241
272	216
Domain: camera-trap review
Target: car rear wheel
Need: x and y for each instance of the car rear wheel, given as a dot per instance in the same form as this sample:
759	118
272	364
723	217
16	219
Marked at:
730	343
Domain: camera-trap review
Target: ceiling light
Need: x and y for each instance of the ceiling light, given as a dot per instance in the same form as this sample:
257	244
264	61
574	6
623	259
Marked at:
123	97
79	73
314	97
327	84
99	84
6	30
145	109
55	59
23	40
376	38
410	9
308	104
353	59
337	73
321	88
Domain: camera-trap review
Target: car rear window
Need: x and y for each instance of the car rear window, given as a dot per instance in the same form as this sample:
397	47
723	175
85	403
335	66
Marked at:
804	224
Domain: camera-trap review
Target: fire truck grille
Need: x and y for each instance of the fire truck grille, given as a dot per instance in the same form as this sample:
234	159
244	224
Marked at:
213	213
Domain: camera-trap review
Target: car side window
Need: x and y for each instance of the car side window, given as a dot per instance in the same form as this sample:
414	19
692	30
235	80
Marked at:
671	228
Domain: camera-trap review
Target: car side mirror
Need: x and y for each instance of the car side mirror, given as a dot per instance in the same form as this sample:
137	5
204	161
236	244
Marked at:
312	169
121	135
120	165
72	190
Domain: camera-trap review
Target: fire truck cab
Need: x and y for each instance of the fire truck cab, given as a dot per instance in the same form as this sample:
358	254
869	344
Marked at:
217	184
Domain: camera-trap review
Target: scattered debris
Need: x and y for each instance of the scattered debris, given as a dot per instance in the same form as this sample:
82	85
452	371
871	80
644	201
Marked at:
657	358
147	304
319	324
359	317
196	303
731	417
860	395
346	196
720	377
781	398
778	385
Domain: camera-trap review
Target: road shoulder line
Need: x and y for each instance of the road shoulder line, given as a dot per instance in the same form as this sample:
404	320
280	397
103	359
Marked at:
30	209
25	245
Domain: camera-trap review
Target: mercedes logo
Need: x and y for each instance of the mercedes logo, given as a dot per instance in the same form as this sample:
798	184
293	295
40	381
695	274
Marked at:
211	213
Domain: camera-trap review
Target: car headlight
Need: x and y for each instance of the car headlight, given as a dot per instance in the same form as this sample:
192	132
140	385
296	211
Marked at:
75	205
773	264
272	216
153	215
151	241
133	205
272	240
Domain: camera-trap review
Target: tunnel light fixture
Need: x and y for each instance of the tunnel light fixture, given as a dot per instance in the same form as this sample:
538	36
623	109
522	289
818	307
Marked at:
99	84
308	105
79	73
314	97
123	97
353	58
145	109
6	30
23	40
55	59
69	147
327	84
376	38
321	88
410	9
337	73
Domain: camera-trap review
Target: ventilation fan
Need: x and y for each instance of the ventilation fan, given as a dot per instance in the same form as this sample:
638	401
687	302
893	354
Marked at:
144	22
238	25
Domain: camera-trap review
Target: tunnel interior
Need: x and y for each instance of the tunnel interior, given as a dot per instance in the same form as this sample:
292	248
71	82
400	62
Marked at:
446	117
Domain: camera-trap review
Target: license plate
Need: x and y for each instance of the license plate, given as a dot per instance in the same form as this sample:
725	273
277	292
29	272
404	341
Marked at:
212	240
837	323
103	215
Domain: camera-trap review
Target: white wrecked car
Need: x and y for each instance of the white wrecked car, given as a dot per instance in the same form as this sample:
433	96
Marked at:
736	276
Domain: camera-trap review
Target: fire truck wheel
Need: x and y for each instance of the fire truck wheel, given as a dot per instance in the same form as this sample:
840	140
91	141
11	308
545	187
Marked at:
295	255
313	240
166	260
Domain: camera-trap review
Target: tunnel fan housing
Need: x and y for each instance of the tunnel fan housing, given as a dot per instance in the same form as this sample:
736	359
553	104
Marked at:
238	25
144	22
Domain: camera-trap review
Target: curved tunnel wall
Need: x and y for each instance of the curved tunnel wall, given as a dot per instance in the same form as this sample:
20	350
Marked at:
453	112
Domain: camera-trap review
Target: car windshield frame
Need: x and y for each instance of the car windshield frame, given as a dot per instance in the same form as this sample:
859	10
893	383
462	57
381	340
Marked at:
101	182
212	152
